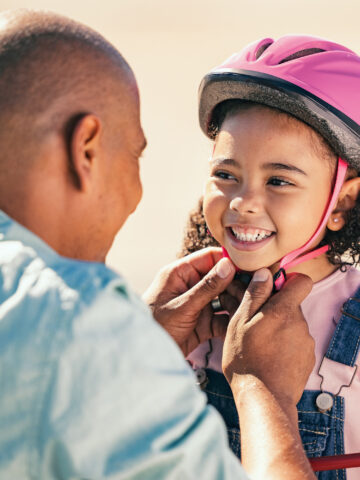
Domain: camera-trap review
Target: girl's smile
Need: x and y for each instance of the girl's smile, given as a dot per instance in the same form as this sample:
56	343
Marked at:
269	185
244	237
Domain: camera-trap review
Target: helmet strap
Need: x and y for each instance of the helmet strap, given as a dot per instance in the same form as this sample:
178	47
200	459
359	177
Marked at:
299	256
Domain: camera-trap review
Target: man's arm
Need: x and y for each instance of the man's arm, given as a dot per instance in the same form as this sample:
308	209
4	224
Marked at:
270	443
268	376
268	356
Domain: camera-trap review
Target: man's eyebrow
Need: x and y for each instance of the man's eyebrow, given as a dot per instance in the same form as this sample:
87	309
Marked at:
282	166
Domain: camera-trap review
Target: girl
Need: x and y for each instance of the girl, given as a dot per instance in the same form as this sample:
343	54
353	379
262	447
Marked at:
283	193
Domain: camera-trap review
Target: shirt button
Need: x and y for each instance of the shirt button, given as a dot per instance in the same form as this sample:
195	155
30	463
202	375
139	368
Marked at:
201	377
324	402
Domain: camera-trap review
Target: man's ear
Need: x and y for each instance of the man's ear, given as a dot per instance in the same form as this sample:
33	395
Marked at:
347	200
84	149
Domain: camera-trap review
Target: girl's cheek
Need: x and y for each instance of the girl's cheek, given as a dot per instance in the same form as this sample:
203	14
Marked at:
210	213
213	211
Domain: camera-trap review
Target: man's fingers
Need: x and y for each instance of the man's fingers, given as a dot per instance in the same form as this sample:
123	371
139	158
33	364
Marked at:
296	288
202	260
236	289
210	286
257	293
229	303
211	325
219	325
187	271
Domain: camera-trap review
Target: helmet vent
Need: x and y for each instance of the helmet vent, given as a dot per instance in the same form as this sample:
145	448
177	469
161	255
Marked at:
262	49
302	53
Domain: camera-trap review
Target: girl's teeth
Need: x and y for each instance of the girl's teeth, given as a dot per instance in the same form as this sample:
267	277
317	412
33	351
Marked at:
251	237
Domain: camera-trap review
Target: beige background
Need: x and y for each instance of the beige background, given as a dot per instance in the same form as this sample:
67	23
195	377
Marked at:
171	45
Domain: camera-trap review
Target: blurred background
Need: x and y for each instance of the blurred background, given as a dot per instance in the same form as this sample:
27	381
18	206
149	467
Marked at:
171	44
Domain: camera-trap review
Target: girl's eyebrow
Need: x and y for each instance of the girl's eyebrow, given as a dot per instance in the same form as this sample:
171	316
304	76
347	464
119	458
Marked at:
282	166
224	161
267	166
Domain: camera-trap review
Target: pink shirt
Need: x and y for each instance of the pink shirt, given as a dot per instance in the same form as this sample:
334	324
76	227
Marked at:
322	312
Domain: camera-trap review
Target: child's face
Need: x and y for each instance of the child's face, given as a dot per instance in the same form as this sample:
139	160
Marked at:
268	187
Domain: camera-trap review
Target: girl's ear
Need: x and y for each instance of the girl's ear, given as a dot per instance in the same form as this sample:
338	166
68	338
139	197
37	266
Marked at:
347	200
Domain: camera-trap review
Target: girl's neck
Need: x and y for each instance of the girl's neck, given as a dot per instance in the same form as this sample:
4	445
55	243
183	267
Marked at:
317	268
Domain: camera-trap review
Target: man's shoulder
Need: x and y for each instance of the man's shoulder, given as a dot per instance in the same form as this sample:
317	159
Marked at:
39	283
27	262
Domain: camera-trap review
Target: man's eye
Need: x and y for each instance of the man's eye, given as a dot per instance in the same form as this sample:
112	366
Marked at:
278	182
224	175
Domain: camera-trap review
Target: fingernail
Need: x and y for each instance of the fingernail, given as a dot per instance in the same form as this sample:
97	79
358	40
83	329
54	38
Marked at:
224	268
261	275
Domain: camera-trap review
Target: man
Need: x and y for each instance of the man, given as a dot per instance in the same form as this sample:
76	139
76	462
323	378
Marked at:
91	386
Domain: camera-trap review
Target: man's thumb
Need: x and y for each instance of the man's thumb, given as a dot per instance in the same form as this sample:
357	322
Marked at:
257	293
210	286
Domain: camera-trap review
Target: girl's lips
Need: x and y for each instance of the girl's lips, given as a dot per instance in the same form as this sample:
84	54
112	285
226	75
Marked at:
247	245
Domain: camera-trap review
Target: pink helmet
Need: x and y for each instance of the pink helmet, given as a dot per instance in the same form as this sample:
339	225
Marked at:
315	80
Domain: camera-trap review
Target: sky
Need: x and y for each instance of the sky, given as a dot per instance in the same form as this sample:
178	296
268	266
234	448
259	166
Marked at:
171	45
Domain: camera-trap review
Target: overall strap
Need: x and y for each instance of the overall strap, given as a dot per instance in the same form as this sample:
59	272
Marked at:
344	345
338	367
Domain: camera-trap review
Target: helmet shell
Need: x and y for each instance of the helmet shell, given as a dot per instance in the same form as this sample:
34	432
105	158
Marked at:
315	80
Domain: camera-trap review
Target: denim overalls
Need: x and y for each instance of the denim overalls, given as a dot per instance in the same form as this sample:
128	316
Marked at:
321	419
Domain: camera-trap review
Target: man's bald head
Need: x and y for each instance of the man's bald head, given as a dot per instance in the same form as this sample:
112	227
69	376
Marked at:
52	70
71	135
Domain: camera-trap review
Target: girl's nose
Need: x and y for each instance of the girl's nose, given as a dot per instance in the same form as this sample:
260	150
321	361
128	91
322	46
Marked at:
247	203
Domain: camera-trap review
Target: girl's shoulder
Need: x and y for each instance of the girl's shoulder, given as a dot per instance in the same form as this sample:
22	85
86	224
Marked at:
329	294
336	288
346	279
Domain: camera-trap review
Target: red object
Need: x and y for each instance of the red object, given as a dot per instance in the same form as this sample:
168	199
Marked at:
335	462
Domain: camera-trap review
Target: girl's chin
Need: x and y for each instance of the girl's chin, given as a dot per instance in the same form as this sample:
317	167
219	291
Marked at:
251	267
251	271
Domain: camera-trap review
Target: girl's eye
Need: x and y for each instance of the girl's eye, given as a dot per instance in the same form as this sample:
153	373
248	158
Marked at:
279	182
224	175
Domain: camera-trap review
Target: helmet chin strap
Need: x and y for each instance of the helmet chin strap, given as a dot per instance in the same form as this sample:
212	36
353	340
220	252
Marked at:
298	256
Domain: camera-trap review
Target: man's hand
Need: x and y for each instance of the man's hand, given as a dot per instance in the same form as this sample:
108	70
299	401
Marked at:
181	293
269	339
268	356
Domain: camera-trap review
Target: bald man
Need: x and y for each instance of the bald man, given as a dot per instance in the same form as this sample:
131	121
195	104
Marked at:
91	385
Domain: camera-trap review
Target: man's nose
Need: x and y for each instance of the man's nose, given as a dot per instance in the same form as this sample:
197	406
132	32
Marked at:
246	202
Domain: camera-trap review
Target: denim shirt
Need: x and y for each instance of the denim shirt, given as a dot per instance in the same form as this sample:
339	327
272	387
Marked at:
91	387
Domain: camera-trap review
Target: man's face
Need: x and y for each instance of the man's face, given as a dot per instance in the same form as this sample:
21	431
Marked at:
121	188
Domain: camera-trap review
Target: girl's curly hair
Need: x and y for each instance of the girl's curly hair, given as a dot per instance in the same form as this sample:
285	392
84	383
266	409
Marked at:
344	244
196	234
